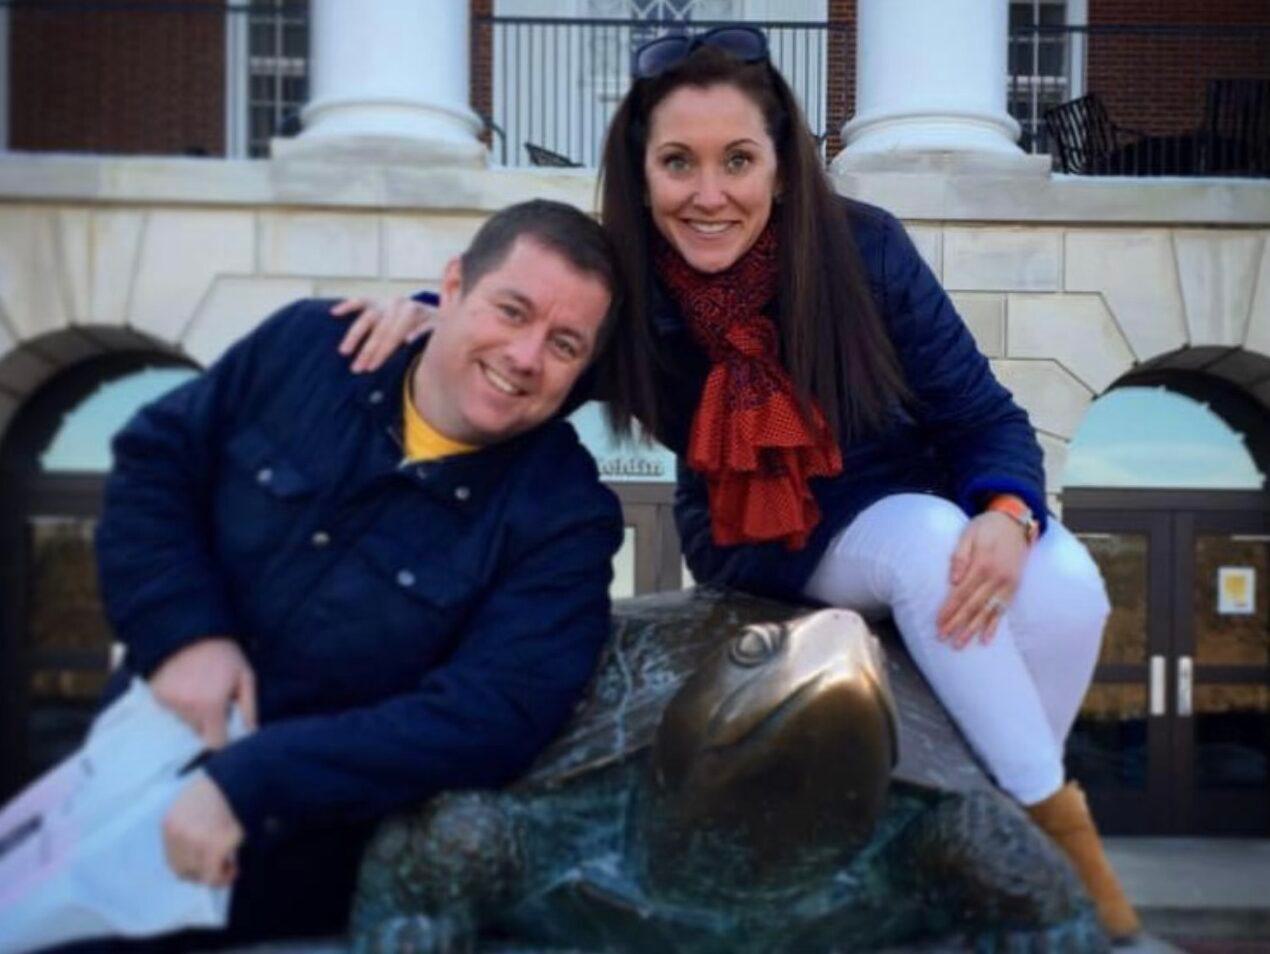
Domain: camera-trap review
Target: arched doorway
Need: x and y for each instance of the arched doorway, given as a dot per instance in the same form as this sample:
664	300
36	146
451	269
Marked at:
55	645
1166	484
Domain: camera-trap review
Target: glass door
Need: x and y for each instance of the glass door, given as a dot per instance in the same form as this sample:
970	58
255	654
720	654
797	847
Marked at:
1222	740
1119	747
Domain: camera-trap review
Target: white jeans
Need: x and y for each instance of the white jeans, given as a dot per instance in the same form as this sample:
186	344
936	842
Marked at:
1016	698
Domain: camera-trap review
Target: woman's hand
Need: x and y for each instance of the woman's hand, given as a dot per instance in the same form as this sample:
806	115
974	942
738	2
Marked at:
985	572
380	329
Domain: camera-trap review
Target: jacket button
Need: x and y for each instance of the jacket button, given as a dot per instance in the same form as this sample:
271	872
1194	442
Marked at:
320	539
264	475
462	493
376	397
405	578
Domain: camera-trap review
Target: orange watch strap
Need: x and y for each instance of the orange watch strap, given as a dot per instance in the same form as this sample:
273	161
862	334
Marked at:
1018	510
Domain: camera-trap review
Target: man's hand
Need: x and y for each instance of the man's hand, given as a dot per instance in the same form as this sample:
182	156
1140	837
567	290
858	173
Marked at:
200	682
985	572
380	329
201	835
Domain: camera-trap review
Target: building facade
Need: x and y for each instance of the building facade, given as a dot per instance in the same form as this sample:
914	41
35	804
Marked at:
138	238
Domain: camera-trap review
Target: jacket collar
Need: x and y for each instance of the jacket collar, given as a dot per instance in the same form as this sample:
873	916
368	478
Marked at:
464	480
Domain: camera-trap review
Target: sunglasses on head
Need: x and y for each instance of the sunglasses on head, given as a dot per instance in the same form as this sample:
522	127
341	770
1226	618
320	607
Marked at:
656	56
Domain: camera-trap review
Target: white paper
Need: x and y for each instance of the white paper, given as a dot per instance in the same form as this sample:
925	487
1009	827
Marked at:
1236	590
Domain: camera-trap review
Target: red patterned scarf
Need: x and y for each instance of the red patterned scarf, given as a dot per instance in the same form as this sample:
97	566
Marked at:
749	438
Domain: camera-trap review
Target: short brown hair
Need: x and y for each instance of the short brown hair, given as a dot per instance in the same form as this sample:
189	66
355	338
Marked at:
557	227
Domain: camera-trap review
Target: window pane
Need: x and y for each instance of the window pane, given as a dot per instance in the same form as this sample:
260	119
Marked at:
83	442
1231	592
1107	747
68	640
1122	560
1232	736
1151	437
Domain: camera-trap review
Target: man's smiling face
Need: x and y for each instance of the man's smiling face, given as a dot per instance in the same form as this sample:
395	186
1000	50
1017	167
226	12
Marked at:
505	353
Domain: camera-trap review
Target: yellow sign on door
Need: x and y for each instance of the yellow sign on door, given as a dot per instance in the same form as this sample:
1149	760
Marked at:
1236	590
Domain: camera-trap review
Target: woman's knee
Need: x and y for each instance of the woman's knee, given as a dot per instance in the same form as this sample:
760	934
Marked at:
914	536
1066	582
923	520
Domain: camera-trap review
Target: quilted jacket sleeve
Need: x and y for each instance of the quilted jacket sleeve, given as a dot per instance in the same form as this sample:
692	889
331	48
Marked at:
982	435
476	721
159	582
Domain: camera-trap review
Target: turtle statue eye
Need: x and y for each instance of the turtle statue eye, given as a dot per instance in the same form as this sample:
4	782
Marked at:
756	644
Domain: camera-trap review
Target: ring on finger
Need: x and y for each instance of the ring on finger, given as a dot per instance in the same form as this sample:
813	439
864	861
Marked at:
995	605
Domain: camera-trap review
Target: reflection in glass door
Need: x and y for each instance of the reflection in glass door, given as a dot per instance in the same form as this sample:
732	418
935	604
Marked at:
69	641
1121	738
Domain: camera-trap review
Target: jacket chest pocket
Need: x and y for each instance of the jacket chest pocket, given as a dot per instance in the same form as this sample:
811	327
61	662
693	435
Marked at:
261	494
411	607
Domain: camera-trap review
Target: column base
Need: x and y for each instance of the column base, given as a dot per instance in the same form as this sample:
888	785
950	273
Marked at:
386	131
381	150
944	162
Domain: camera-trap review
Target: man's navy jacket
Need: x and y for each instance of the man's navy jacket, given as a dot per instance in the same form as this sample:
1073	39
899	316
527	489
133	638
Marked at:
412	627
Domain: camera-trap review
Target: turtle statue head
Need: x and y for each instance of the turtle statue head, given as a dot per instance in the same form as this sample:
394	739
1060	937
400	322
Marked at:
780	744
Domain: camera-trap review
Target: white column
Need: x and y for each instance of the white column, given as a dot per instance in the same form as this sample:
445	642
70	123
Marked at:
931	81
388	83
6	89
236	85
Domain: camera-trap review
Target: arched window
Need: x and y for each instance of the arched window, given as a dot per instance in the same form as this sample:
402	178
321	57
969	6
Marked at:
1153	437
55	644
82	442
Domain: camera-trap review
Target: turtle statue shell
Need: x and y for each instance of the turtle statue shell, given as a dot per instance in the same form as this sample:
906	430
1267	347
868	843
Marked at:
659	640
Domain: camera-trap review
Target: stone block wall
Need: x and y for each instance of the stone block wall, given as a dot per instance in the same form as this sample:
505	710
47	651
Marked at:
168	255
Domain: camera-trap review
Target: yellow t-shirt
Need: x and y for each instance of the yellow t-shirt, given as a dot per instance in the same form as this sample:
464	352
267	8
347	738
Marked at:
422	440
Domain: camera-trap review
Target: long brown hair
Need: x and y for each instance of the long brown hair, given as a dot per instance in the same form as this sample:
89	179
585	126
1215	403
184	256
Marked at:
833	343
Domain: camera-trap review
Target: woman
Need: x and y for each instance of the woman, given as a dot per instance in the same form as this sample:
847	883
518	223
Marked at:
840	437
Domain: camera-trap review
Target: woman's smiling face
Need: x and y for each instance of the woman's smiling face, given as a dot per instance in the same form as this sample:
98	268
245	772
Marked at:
712	174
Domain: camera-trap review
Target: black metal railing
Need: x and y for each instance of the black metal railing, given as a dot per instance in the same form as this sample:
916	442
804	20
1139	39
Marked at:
554	82
1144	100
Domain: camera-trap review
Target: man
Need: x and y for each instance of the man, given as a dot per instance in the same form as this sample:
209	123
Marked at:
402	577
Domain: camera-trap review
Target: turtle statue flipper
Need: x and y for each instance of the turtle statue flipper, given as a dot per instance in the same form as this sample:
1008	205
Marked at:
979	856
429	876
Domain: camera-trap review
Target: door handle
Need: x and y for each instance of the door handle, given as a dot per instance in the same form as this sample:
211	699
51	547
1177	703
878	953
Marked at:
1185	684
1157	685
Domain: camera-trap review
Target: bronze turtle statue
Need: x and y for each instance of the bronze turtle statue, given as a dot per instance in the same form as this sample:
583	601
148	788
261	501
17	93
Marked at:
741	776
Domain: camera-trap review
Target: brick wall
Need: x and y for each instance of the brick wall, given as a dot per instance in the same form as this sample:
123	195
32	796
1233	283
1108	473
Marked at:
481	70
122	81
1156	83
841	79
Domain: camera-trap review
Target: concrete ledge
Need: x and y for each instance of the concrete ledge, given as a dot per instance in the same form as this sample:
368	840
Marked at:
944	194
282	182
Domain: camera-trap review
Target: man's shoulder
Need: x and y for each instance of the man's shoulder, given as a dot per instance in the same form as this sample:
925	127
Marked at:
307	319
558	471
300	340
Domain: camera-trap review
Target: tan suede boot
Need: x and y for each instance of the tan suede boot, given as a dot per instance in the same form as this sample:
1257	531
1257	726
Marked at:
1064	816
